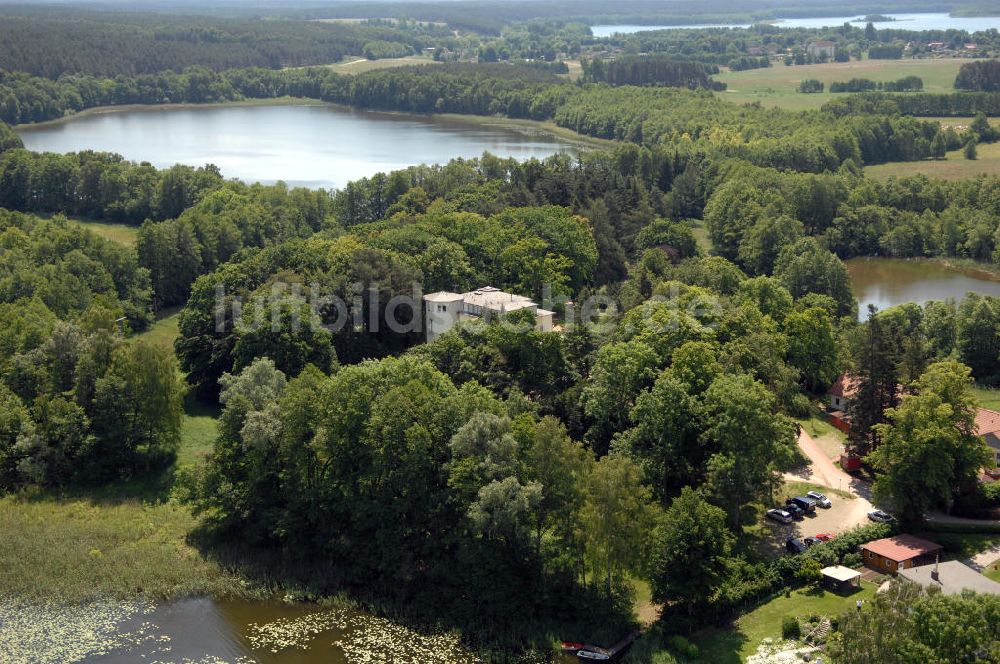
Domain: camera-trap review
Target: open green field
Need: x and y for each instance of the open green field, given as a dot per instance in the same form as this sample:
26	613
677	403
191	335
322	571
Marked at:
120	233
734	645
954	167
776	86
993	573
358	64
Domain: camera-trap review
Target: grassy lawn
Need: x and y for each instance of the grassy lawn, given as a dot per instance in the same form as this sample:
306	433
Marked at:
735	644
164	330
993	573
954	167
776	86
200	424
988	397
830	439
121	233
959	546
791	489
701	236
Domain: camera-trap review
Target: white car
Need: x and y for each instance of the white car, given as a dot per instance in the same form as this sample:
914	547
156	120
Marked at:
878	516
820	499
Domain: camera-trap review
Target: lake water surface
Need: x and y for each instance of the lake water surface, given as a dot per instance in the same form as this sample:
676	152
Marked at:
886	282
922	21
304	145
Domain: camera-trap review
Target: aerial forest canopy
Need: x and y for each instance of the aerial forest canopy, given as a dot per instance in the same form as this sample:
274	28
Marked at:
229	352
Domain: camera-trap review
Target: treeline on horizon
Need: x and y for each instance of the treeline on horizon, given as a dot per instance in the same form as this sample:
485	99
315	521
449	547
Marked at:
490	18
819	141
50	43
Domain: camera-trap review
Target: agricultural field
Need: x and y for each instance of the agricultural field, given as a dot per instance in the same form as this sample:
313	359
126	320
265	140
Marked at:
954	167
776	86
358	65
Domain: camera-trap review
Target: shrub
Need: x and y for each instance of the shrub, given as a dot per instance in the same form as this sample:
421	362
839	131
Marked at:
852	560
790	628
683	647
811	85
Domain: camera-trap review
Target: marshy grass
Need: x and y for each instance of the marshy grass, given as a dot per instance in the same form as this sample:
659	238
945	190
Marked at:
78	549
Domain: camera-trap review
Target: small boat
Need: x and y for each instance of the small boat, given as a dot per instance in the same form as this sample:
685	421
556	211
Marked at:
592	655
571	646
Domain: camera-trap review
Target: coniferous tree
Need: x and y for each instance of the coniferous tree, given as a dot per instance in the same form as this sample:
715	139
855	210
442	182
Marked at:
877	389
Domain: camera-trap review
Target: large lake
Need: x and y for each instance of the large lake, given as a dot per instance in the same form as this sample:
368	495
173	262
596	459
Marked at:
886	282
924	21
304	145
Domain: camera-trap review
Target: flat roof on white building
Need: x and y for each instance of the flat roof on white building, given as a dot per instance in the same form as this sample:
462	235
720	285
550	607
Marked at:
495	299
442	296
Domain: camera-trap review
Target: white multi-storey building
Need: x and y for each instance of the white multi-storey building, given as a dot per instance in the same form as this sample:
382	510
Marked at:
443	310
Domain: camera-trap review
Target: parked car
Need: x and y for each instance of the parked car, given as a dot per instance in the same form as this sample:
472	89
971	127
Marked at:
795	545
820	499
796	511
811	541
825	537
879	516
807	504
779	515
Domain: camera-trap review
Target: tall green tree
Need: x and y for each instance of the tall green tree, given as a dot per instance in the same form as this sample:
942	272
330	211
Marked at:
689	549
930	447
877	386
617	516
812	347
749	441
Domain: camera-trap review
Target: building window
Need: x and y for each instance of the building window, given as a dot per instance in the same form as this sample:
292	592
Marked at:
900	565
888	563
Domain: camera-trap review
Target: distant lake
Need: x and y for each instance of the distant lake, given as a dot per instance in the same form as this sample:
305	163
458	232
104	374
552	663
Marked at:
923	21
886	282
311	146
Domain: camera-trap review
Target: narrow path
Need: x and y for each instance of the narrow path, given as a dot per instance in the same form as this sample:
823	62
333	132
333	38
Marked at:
824	471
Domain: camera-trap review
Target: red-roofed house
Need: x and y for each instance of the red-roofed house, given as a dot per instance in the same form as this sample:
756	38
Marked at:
841	392
988	426
900	552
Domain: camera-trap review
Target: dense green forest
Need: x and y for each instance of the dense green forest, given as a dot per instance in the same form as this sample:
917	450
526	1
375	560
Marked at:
48	42
514	485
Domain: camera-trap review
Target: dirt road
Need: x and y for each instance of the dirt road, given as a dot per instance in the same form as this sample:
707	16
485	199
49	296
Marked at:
846	513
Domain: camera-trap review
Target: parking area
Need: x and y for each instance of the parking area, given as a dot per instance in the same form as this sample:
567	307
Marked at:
845	513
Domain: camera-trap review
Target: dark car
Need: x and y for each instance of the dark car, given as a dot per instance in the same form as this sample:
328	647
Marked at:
812	541
793	509
795	545
808	505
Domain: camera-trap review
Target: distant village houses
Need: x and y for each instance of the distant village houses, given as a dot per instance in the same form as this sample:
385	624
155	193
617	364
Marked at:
822	49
